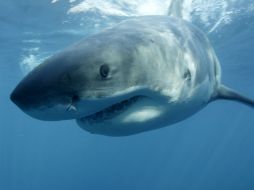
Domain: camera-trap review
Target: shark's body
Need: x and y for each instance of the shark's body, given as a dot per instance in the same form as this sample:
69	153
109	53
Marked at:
143	74
171	60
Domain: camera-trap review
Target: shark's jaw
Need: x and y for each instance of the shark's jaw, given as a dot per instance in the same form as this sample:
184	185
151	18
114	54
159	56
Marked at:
125	117
112	110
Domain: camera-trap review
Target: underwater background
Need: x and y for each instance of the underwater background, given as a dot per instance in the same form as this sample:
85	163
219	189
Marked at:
211	150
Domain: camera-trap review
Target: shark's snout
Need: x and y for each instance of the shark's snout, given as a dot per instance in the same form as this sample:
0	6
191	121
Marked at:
23	96
51	92
42	103
18	98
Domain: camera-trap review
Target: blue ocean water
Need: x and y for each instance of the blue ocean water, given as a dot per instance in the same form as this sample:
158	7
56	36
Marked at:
211	150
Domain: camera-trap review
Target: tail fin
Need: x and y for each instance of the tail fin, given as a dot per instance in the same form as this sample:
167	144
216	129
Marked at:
228	94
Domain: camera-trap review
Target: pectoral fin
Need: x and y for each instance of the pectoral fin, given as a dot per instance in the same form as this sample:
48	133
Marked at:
229	94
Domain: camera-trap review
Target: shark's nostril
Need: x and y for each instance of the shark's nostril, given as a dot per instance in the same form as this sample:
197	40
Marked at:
75	98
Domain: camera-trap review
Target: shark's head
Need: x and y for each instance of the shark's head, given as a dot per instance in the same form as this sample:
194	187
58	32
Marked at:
91	81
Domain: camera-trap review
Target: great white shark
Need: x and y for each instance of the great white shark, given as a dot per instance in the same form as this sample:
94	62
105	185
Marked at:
143	74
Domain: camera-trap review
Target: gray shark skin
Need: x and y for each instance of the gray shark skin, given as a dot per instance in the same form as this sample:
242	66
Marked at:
143	74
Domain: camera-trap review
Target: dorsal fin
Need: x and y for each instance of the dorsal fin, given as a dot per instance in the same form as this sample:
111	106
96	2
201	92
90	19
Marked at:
175	8
229	94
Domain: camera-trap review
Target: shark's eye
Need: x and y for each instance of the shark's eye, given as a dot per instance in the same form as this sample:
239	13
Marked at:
104	71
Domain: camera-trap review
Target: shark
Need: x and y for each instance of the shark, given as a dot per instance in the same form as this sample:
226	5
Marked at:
143	74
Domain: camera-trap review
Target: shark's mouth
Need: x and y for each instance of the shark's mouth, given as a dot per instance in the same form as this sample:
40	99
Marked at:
111	111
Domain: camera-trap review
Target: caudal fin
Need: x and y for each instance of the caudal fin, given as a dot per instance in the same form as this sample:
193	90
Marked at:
229	94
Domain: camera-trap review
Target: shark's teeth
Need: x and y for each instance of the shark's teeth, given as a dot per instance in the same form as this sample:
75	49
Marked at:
112	111
72	108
